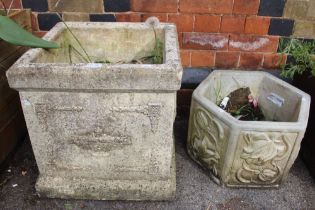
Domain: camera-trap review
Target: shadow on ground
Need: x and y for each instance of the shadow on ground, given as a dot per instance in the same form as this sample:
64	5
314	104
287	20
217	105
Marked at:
195	191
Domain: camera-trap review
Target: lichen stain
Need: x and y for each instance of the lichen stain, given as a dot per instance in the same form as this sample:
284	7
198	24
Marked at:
249	46
216	42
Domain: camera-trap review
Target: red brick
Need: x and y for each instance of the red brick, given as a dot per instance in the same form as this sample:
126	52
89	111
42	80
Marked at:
257	25
128	17
205	41
161	16
39	34
16	4
154	5
274	60
185	57
202	58
233	24
34	22
251	43
227	60
207	23
184	23
251	60
206	6
246	7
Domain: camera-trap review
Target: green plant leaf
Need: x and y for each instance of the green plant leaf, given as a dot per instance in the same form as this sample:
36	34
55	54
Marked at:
15	34
302	58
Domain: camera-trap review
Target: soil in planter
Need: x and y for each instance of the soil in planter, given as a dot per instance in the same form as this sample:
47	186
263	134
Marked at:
242	105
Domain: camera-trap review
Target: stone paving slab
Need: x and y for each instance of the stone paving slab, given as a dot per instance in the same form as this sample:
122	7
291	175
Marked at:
195	190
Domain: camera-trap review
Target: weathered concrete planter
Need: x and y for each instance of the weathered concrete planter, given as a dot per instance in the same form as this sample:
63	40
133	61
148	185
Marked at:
247	153
102	131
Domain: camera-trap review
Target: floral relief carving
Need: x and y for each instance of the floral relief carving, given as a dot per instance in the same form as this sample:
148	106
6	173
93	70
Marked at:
260	156
204	140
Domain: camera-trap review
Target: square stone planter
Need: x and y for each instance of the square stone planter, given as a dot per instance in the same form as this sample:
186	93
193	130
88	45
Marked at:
247	153
102	131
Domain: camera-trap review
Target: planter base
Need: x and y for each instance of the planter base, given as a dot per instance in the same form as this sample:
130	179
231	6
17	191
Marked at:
100	189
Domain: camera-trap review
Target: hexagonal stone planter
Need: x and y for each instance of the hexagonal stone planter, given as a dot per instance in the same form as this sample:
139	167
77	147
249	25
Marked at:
247	153
102	131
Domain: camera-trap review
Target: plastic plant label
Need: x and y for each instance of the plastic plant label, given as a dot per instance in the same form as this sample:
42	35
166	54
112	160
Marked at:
224	102
276	99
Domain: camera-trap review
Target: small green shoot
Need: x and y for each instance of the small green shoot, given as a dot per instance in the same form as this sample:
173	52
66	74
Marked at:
157	53
218	94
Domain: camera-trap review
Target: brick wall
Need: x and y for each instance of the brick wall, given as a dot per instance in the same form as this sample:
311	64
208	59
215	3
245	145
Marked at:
213	33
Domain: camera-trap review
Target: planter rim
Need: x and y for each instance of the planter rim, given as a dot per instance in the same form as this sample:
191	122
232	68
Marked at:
301	122
25	74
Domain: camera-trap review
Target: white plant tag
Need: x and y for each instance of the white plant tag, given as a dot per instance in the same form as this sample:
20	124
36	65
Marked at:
276	99
224	102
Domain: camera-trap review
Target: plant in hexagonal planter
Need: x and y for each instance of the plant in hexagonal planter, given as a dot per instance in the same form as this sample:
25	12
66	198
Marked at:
102	130
247	153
